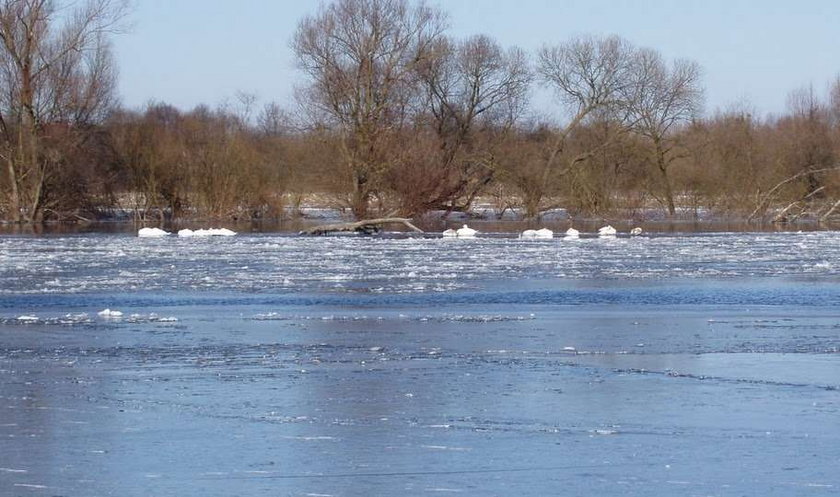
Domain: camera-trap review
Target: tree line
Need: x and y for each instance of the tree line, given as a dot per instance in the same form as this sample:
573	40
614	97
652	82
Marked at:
397	117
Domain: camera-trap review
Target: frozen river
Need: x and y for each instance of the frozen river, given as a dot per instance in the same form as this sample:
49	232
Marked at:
272	365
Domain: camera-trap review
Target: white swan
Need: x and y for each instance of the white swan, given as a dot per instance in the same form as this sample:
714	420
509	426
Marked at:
543	233
607	231
636	231
572	233
151	233
466	232
450	233
186	233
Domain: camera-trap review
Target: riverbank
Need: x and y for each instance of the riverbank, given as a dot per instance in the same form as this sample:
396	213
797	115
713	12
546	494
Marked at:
485	218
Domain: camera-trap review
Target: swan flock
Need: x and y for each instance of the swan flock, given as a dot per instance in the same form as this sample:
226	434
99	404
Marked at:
540	234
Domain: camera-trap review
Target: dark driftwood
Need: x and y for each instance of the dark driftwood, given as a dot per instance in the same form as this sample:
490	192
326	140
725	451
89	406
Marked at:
366	226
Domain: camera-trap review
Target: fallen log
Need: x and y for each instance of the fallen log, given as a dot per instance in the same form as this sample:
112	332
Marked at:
366	226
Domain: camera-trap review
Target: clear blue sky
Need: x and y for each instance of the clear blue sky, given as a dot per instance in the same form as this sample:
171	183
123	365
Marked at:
188	52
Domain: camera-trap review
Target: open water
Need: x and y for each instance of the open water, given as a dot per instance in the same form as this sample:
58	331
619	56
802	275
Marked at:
272	365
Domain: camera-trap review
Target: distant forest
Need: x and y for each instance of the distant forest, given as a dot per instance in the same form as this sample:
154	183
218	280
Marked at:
398	118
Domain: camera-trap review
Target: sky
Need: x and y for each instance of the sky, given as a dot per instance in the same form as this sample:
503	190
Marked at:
753	52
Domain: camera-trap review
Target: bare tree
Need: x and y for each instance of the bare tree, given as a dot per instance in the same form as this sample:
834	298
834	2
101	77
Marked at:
834	101
360	57
473	80
728	159
589	76
809	125
56	72
472	89
274	121
660	98
805	159
151	153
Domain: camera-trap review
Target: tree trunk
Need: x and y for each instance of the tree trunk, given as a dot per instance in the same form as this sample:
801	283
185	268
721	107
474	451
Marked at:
360	202
662	165
28	144
532	202
15	201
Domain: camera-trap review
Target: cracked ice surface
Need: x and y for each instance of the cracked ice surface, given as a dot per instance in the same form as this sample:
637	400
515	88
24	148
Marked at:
278	264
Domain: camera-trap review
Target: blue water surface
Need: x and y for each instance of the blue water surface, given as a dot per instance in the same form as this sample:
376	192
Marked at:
266	364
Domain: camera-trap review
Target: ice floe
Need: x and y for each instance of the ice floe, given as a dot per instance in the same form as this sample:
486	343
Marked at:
84	319
423	318
67	319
